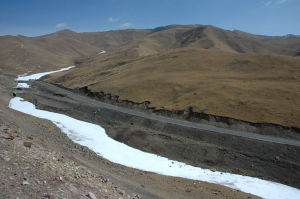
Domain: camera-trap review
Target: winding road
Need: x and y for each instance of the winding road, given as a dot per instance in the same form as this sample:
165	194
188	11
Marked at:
205	127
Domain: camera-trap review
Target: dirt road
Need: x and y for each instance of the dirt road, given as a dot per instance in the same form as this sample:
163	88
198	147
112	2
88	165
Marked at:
205	149
19	162
210	128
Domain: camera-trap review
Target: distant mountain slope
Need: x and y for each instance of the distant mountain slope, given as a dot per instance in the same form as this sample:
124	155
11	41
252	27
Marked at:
63	47
20	53
24	53
251	87
228	73
209	37
112	39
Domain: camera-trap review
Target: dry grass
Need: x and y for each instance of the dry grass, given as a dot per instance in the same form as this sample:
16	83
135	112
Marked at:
21	54
251	87
24	54
169	67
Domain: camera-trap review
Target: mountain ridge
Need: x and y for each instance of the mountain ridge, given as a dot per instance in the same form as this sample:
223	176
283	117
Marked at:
72	45
167	65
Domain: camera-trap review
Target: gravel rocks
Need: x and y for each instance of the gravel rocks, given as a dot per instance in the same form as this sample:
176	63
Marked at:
45	173
25	182
27	144
91	195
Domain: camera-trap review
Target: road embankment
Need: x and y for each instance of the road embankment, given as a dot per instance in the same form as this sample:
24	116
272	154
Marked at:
199	147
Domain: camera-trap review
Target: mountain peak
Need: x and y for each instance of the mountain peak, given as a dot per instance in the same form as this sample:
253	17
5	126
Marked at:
66	31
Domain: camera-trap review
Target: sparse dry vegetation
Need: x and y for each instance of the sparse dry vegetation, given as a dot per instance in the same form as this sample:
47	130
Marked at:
227	73
250	87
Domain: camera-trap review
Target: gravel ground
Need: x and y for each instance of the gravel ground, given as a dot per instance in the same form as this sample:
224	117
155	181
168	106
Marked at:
38	161
30	170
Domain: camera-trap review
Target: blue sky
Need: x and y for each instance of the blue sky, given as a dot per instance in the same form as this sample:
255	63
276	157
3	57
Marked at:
36	17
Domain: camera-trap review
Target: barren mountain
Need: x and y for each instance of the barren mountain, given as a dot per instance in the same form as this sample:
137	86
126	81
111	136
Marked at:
251	87
210	37
227	73
20	53
63	47
24	53
219	72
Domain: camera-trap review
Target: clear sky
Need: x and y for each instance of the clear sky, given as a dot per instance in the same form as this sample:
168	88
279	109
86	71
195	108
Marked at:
36	17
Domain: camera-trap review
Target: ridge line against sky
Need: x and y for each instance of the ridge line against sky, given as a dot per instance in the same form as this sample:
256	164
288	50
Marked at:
34	17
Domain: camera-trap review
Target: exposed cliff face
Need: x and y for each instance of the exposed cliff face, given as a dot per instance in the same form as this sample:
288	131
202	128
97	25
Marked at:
199	117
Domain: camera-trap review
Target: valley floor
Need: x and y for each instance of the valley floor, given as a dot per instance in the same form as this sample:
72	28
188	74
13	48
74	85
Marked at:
38	161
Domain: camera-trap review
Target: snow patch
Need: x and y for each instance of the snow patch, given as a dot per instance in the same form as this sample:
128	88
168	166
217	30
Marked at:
22	85
95	138
36	76
102	52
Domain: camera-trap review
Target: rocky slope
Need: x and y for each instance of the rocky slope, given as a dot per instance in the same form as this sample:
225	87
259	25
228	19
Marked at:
38	161
32	170
227	73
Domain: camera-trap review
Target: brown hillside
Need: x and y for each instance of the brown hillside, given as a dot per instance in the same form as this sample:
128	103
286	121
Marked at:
210	37
239	75
251	87
62	48
112	39
20	53
24	53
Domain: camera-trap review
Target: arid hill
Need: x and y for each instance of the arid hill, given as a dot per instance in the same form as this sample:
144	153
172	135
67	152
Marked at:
227	73
20	53
250	87
25	53
62	48
210	37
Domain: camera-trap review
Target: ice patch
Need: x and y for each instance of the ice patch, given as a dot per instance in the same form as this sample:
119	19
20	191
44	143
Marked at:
39	75
102	52
95	138
22	85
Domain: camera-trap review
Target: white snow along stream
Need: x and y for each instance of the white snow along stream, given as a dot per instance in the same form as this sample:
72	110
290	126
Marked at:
95	138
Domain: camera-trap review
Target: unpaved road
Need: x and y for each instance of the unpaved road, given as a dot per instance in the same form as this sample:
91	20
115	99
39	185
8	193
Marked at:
47	138
194	146
249	135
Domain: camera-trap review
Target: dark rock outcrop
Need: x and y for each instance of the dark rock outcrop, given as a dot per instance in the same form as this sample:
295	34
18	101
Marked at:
199	117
